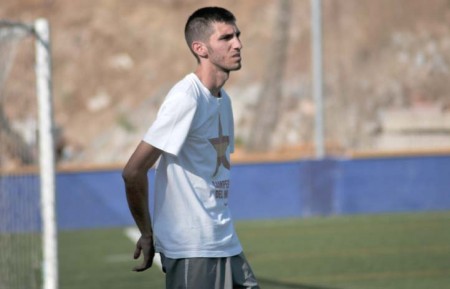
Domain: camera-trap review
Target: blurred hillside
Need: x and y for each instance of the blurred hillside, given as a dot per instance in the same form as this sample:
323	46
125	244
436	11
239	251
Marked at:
114	61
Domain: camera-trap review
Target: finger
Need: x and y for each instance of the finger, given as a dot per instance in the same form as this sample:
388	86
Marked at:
147	262
144	266
137	252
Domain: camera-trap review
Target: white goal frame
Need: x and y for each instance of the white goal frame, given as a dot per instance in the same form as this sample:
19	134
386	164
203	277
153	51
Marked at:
41	31
46	153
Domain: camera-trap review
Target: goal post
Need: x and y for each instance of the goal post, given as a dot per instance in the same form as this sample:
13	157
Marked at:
32	176
46	153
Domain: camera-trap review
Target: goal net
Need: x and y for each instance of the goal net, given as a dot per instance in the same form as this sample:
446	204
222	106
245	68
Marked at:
27	223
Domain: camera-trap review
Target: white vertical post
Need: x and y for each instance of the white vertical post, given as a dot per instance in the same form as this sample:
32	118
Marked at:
46	152
316	24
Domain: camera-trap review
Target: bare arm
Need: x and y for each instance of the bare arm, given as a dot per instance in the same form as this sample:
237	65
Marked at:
136	186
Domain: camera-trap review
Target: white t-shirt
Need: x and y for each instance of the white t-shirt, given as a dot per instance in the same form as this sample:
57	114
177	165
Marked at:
194	130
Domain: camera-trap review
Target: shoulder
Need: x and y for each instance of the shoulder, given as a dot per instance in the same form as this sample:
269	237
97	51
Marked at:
184	92
225	97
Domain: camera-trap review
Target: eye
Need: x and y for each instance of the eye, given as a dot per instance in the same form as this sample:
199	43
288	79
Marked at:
227	37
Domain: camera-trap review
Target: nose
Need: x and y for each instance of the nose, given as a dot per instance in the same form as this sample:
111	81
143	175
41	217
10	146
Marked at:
237	43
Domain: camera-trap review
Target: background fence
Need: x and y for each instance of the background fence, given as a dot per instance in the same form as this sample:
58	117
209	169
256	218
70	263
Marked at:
88	199
278	190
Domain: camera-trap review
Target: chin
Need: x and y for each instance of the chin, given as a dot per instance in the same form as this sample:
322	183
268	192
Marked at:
236	67
229	68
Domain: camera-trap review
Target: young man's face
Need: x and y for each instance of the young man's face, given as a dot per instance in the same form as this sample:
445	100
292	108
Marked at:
224	47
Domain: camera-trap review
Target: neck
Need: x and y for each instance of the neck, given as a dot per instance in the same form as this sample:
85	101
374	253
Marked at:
212	79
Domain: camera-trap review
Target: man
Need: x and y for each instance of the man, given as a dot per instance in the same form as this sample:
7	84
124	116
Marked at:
192	137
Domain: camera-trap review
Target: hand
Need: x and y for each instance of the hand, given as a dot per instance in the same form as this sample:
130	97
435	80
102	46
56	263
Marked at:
145	246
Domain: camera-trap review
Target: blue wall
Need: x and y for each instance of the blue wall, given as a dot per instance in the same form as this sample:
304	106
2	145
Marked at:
19	203
276	190
392	185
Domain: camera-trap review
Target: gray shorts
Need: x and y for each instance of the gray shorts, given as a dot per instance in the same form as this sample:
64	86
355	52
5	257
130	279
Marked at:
209	273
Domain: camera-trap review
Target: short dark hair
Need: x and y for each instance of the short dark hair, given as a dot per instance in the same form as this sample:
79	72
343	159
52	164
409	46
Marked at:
198	25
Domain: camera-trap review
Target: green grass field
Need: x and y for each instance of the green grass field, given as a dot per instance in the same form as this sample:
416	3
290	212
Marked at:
396	251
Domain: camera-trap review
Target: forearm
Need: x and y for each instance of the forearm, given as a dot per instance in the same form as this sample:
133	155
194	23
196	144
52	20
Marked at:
136	187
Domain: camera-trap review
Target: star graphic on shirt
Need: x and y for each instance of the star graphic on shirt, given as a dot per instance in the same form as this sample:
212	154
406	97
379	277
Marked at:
220	145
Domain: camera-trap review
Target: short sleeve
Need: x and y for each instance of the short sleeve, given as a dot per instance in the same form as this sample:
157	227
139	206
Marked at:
173	122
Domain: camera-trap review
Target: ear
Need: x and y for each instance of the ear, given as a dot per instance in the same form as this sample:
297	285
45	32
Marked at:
200	49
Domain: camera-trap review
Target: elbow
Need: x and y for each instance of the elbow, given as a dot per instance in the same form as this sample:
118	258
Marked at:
129	175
